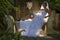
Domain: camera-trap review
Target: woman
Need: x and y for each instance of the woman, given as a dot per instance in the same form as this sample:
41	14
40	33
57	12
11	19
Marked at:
47	14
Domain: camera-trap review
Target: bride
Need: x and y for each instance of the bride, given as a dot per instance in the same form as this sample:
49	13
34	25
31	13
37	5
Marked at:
44	7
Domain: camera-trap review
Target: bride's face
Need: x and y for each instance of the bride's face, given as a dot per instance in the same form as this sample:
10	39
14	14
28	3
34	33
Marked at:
44	5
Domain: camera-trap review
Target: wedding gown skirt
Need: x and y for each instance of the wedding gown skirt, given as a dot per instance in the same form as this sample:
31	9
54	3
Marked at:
31	27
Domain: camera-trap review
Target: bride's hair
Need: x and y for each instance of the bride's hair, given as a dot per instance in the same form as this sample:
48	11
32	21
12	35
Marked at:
45	4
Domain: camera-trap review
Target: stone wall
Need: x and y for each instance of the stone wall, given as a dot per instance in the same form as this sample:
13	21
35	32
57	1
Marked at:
53	24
